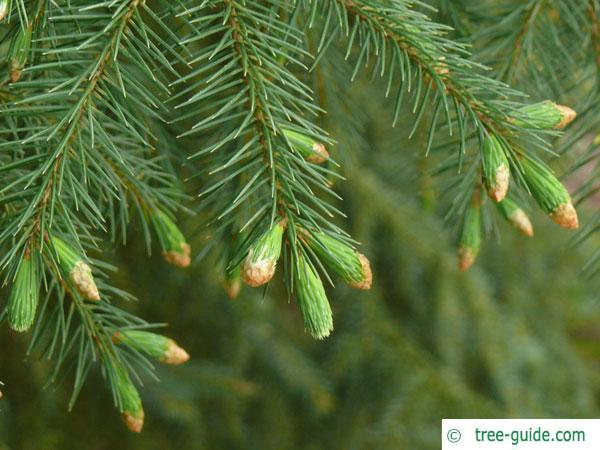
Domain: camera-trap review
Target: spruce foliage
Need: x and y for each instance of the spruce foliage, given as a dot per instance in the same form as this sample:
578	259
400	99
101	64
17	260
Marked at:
120	120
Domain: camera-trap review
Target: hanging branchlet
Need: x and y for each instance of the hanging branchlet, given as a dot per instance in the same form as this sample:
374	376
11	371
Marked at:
18	52
5	8
176	250
514	215
131	403
307	147
312	301
80	273
545	115
259	266
24	295
83	161
161	348
496	172
470	238
549	193
352	266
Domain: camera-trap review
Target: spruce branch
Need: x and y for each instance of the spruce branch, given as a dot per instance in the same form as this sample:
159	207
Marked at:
100	90
263	168
64	130
79	147
422	43
437	71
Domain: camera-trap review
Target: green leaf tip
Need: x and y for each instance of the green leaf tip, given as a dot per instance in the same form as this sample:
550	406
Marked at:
312	301
24	295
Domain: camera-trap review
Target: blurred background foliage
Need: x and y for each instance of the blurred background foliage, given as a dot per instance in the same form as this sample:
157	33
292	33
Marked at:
517	336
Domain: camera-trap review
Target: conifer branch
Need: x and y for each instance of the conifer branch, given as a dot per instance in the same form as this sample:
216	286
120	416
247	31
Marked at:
262	170
89	85
85	142
440	59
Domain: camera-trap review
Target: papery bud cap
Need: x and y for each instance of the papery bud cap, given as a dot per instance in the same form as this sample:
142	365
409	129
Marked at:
466	258
174	355
257	273
521	222
568	116
565	215
367	274
81	276
134	420
319	155
180	258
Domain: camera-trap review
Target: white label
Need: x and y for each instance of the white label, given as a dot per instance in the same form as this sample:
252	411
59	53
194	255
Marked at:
520	434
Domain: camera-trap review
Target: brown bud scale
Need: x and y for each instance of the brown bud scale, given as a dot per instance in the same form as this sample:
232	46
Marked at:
521	222
500	188
81	276
565	215
367	280
466	258
257	273
179	259
320	154
174	355
134	423
568	116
